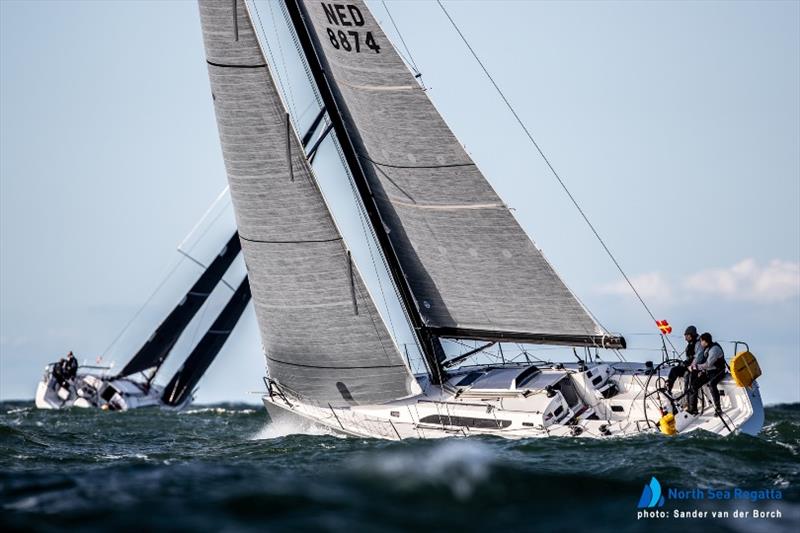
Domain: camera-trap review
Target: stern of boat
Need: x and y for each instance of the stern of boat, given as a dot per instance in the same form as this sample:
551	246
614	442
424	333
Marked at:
42	392
754	424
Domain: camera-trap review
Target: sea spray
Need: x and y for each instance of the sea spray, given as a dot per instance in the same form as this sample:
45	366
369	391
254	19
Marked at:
460	465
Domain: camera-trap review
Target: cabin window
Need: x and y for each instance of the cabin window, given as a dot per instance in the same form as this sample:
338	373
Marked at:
469	379
558	411
109	393
567	389
617	408
527	375
466	421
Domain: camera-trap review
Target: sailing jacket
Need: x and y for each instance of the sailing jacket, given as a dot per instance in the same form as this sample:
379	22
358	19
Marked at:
693	350
714	357
69	368
700	354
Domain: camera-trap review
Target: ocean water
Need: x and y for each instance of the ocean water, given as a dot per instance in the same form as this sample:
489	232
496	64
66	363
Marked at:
226	467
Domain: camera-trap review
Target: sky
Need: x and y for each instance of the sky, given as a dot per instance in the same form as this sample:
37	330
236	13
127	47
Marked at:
676	126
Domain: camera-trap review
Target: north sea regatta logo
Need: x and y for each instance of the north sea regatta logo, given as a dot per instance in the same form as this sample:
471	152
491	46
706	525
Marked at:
651	495
708	503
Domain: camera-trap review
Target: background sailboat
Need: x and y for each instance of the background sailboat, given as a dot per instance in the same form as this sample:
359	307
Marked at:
133	386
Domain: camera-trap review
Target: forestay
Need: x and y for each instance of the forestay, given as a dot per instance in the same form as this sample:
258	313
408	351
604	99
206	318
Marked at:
322	334
471	268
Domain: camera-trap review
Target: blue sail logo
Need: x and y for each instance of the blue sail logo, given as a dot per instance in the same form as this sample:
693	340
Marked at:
651	495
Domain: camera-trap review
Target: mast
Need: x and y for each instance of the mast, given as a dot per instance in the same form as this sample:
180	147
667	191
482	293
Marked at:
429	343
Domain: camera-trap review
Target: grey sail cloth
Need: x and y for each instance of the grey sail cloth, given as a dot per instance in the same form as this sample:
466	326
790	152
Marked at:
321	332
469	264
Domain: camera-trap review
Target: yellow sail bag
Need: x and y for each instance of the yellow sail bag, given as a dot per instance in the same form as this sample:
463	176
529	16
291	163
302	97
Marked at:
745	369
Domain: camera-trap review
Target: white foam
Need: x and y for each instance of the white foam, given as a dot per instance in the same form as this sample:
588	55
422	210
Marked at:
220	411
290	426
116	457
459	465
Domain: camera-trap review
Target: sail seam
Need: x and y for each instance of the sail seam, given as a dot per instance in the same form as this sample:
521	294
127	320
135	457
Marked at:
262	65
289	242
388	165
334	367
338	303
380	87
446	207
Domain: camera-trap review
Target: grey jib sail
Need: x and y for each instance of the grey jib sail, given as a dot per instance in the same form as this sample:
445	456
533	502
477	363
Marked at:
321	332
473	271
182	384
155	350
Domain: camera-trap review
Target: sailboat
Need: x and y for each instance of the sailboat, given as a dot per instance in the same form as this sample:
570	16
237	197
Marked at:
462	267
134	386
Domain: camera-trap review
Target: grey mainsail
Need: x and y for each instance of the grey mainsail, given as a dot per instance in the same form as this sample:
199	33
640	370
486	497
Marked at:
322	334
472	270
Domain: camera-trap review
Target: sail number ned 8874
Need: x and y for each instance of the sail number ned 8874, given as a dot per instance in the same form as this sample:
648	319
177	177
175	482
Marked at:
342	15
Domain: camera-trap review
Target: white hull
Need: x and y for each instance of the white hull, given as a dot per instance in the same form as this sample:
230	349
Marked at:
99	392
554	402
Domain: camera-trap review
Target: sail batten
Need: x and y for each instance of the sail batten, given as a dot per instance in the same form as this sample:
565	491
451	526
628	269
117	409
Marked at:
468	264
303	284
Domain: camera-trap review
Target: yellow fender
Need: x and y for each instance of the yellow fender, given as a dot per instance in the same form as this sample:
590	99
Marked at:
667	424
745	369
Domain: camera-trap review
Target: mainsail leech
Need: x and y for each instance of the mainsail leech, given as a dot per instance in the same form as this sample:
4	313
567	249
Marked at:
296	259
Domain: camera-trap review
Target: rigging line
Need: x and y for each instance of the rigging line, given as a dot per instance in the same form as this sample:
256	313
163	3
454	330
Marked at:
194	333
211	208
192	259
301	54
362	218
281	85
204	267
396	29
550	166
305	111
283	59
370	238
145	304
183	254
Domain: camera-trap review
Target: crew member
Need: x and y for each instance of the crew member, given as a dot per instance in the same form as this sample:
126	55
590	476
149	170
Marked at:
58	373
709	371
70	367
682	369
